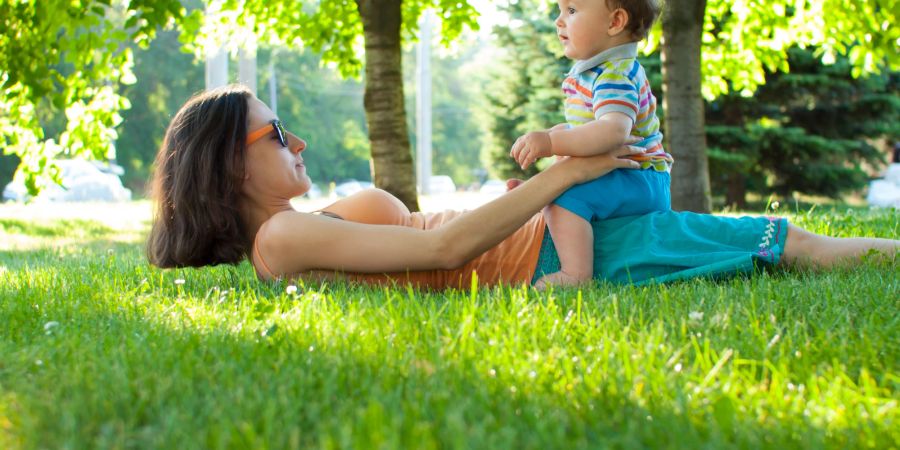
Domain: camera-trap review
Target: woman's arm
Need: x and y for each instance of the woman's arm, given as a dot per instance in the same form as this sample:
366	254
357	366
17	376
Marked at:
292	243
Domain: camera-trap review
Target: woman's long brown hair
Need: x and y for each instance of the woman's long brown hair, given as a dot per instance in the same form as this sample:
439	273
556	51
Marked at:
197	181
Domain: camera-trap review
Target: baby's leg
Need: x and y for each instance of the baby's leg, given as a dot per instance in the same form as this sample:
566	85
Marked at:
573	238
806	249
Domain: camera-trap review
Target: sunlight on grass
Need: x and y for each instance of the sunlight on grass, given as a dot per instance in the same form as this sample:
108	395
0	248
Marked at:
34	226
100	350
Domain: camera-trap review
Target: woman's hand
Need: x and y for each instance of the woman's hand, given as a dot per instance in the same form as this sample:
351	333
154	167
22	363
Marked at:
582	169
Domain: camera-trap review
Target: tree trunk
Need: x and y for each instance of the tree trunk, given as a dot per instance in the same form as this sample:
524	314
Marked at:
393	168
736	195
683	103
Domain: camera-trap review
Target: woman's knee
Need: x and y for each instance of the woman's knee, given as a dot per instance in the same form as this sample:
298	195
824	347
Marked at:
801	245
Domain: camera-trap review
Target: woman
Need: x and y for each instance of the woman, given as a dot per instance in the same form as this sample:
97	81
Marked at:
227	170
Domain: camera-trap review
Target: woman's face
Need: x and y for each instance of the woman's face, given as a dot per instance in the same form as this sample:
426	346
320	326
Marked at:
271	169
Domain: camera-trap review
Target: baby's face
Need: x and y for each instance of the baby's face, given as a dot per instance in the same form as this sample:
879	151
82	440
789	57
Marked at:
583	27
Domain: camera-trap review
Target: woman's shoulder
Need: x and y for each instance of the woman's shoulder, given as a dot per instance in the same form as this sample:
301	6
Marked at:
272	236
286	226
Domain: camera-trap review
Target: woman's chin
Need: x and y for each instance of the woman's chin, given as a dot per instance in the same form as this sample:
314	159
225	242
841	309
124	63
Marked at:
305	186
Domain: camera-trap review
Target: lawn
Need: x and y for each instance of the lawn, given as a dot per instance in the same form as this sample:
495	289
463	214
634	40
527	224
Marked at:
99	350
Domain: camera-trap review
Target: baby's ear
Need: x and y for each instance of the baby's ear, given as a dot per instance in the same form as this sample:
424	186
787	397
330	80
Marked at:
618	21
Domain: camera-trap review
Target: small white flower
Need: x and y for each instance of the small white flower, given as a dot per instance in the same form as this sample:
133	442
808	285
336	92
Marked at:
773	341
291	289
179	281
50	325
695	316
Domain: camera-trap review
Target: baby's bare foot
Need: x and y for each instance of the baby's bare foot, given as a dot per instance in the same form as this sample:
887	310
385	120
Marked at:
560	279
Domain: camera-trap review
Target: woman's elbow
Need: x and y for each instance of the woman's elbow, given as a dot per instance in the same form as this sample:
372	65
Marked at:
450	255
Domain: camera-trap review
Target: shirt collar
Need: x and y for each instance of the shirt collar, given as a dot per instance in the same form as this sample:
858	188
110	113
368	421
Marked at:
624	51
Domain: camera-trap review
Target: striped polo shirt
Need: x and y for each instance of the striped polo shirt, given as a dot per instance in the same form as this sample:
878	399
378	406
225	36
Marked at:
614	81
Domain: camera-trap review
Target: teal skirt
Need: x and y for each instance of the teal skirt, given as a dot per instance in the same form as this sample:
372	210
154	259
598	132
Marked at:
666	246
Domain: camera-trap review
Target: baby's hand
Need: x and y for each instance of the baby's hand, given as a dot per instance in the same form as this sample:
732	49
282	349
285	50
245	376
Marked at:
632	139
530	147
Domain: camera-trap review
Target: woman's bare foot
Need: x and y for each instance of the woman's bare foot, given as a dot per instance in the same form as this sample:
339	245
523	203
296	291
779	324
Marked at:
560	279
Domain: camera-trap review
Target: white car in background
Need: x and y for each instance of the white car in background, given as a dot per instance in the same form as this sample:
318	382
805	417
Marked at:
492	187
351	187
83	181
314	192
885	192
441	184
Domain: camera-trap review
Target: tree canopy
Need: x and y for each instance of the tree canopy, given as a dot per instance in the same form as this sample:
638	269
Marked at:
739	40
743	40
70	57
342	30
334	29
62	62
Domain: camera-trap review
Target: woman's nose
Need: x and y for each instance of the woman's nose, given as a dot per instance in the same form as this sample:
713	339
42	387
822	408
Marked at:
297	144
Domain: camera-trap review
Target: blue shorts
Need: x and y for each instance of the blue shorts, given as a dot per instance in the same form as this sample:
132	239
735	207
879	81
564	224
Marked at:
622	192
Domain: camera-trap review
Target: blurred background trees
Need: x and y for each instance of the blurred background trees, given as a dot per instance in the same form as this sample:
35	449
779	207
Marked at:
781	127
814	130
61	66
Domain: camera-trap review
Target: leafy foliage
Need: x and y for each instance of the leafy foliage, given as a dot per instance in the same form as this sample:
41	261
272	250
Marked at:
524	92
68	56
746	39
323	109
331	28
338	31
807	130
457	135
739	41
165	76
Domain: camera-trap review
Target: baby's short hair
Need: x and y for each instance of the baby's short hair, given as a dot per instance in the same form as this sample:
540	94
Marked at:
641	15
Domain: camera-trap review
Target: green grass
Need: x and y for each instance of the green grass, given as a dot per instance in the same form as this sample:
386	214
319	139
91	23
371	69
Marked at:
99	350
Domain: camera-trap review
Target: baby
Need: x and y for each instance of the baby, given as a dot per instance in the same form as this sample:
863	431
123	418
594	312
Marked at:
608	99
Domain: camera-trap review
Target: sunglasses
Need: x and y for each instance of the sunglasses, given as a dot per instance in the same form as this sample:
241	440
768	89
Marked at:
274	125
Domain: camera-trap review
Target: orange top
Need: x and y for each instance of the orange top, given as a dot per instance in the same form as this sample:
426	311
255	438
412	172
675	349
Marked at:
511	261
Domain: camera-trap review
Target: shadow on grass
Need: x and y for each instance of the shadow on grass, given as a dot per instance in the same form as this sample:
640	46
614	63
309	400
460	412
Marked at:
216	390
109	376
85	365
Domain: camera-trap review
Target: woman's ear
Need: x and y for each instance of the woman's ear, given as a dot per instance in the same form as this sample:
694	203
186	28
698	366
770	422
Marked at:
618	21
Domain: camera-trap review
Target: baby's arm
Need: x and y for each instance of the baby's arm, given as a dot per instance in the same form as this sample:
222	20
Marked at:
609	132
602	135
